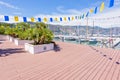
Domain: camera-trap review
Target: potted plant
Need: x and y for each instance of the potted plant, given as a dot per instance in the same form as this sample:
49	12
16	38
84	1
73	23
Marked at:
23	37
22	34
42	38
10	32
2	31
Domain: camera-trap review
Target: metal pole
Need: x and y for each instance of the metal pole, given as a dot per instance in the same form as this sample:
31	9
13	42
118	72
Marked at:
87	29
93	28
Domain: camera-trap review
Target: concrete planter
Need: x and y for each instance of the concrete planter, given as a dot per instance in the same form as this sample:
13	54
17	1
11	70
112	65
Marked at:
7	37
21	42
11	39
2	37
33	49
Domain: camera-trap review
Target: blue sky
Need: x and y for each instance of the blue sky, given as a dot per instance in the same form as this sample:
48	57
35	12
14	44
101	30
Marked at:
31	8
58	8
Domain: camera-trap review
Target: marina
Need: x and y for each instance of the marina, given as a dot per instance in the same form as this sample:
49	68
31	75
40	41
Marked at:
95	41
60	40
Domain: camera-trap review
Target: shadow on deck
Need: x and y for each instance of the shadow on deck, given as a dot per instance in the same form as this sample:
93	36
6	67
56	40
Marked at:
6	52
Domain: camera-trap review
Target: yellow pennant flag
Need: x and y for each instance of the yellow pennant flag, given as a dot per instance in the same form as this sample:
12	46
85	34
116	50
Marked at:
56	19
45	19
91	10
32	19
16	18
65	19
72	18
102	6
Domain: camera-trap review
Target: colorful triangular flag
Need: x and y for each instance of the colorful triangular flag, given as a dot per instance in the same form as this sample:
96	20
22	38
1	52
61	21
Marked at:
24	19
65	19
45	19
60	18
83	16
91	10
39	19
87	14
51	19
95	10
6	18
32	19
56	19
16	18
102	6
111	3
72	18
69	18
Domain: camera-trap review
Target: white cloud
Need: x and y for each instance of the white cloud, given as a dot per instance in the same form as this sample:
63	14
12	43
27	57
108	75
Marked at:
117	2
17	13
8	5
62	10
108	18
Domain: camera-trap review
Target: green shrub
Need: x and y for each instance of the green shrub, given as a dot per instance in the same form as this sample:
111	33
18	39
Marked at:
41	34
2	30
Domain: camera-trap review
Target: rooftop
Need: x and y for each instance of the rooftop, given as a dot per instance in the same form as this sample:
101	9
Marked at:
72	62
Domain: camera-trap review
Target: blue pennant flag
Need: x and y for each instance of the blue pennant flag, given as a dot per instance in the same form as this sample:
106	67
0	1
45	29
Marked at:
80	17
87	14
95	10
24	19
6	18
51	19
69	18
111	3
76	17
39	19
83	16
60	19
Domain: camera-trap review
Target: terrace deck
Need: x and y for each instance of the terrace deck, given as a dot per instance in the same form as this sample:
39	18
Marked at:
72	62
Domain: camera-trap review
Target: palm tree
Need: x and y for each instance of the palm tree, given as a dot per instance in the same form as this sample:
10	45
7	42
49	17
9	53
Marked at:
41	34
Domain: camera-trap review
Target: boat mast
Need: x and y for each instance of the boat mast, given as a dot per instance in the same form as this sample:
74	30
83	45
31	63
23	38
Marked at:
87	29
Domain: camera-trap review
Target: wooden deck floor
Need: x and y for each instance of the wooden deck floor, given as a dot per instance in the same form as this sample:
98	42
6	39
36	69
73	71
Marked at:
72	62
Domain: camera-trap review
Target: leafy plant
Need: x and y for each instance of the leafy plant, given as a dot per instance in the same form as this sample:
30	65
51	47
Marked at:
23	26
41	34
2	30
25	35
